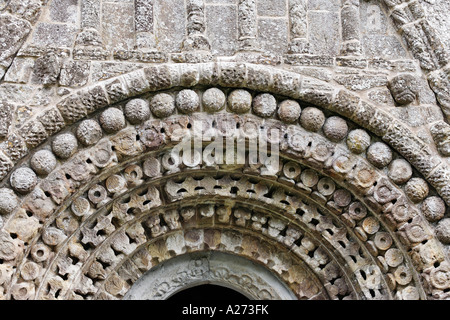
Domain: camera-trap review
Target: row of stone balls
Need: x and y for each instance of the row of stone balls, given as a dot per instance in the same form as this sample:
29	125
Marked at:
240	101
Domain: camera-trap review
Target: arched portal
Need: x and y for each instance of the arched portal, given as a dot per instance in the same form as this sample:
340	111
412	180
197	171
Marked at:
336	219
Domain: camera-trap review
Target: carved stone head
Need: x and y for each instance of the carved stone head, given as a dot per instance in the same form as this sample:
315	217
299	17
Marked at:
403	88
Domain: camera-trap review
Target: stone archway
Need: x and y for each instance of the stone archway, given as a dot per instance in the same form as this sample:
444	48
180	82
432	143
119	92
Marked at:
337	209
187	271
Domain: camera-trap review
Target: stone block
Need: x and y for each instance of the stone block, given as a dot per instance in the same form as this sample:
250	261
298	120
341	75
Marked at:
33	133
52	121
330	5
170	30
6	116
13	32
72	109
20	70
5	165
74	73
93	98
271	8
324	36
19	93
105	70
14	147
118	26
90	14
116	90
221	22
273	35
54	35
361	81
376	45
64	11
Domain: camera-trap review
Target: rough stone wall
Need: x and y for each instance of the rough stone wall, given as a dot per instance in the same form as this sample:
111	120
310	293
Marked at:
381	66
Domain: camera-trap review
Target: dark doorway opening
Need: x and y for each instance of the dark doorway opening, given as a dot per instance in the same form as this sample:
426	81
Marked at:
208	292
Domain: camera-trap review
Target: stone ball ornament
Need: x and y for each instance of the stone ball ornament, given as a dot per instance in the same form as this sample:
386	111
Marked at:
240	101
214	100
8	201
65	145
358	141
187	101
112	120
137	111
89	132
162	105
43	162
312	119
264	105
23	180
289	111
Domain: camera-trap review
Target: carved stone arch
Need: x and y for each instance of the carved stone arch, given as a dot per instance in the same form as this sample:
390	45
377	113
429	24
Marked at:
37	224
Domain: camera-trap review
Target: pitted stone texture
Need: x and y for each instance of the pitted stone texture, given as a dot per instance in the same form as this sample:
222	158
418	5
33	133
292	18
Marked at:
6	117
433	208
403	88
23	180
112	120
137	111
416	189
440	132
43	162
264	105
379	154
335	128
75	73
89	132
213	100
187	101
289	111
312	119
443	231
13	32
65	145
400	171
8	201
162	105
240	101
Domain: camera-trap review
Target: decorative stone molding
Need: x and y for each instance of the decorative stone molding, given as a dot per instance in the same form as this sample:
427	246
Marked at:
216	268
385	208
92	198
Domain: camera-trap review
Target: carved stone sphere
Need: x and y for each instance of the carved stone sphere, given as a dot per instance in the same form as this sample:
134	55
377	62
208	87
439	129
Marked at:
443	231
240	101
289	111
358	141
379	154
187	101
137	111
433	208
162	105
213	100
335	128
403	89
43	162
264	105
112	120
8	201
400	171
312	119
416	189
65	145
23	180
89	132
